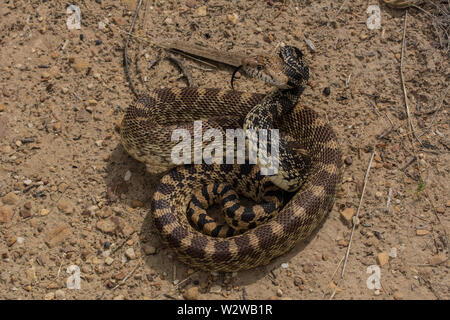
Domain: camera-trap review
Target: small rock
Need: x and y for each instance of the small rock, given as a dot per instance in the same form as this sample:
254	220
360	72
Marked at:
43	212
105	212
438	259
10	199
348	160
279	293
285	265
119	21
79	64
28	205
25	213
49	296
7	150
60	295
201	11
149	250
233	18
6	214
106	226
398	296
440	210
137	204
191	293
57	126
422	232
308	268
45	75
2	108
10	240
215	289
129	253
168	21
65	206
324	256
57	234
27	182
382	258
347	215
109	261
326	92
127	176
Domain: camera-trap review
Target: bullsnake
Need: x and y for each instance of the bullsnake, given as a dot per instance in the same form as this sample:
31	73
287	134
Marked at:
302	192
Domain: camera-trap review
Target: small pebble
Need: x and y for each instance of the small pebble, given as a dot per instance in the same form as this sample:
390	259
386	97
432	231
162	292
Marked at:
49	296
347	215
10	199
201	11
149	250
348	160
127	176
109	261
6	214
382	258
215	289
326	91
398	296
129	253
308	268
285	265
60	295
435	260
98	42
191	293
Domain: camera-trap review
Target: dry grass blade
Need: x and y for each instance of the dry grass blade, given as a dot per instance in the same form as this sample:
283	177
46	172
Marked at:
357	212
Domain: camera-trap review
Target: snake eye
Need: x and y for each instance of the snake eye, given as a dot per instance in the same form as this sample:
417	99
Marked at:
259	67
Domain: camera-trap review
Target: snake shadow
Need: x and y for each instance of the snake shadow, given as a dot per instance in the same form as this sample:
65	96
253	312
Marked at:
163	263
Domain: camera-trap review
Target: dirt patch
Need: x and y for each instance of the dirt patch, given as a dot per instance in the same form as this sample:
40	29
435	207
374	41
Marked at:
63	92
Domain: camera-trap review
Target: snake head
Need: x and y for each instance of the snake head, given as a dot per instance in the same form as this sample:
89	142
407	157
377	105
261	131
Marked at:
286	70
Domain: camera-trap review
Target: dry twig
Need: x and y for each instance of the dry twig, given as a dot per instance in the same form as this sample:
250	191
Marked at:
183	69
357	212
125	57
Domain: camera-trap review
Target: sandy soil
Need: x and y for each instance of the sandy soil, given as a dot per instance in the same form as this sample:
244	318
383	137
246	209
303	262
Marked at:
65	194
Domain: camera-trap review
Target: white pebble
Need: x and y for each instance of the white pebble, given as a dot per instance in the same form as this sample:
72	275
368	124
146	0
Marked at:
27	182
215	289
127	176
285	265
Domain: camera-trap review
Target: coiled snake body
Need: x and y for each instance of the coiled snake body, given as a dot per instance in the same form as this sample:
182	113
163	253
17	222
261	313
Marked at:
292	203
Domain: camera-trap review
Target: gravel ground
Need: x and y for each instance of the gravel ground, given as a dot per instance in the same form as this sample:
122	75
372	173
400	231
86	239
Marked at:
74	206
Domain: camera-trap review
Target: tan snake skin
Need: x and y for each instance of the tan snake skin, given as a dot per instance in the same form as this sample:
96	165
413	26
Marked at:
146	134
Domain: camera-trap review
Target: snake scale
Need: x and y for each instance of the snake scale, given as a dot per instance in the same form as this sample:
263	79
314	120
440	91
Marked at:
289	205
